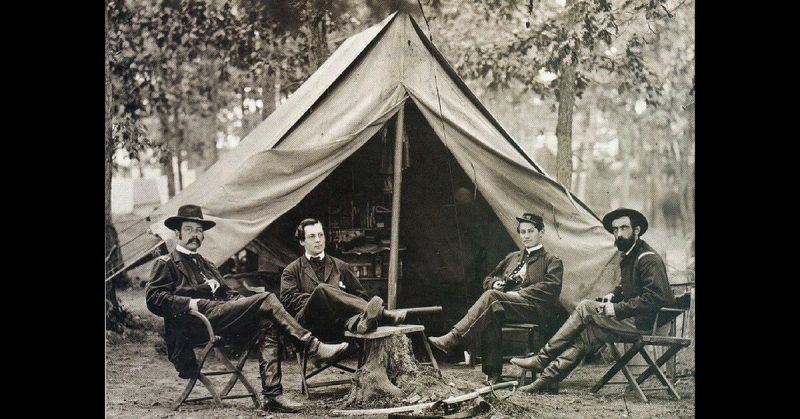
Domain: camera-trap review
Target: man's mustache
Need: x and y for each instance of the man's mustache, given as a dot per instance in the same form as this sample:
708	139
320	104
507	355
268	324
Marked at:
194	239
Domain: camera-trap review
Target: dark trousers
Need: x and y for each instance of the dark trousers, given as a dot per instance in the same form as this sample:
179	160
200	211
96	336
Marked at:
329	311
485	319
261	313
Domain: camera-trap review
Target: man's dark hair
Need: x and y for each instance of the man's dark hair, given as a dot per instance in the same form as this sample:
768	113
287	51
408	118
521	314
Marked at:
300	233
539	226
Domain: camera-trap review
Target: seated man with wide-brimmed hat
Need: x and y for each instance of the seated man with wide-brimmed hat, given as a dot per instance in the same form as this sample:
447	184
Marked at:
184	281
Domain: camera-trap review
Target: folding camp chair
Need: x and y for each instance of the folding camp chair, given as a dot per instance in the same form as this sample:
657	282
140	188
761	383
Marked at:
671	342
216	343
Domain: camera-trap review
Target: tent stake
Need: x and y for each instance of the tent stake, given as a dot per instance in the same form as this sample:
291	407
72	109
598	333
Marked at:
394	250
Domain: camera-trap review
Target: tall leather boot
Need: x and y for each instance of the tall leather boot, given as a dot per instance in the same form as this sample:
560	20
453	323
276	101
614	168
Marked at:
556	371
447	342
560	341
284	321
269	368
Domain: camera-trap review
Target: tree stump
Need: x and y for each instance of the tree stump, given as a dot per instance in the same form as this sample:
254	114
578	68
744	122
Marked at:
390	372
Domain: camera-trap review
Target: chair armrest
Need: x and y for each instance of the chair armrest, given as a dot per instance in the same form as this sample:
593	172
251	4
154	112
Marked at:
207	323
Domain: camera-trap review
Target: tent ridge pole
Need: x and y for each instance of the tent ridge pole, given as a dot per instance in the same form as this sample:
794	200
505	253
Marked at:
394	250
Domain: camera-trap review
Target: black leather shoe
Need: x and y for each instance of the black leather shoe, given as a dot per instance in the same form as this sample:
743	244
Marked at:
542	385
281	403
372	312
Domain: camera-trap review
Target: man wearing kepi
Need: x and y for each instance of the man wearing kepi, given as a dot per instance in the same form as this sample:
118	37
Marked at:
323	293
185	281
619	317
524	287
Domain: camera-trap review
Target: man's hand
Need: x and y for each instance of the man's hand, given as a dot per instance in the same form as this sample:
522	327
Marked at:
498	285
606	309
214	284
512	293
193	305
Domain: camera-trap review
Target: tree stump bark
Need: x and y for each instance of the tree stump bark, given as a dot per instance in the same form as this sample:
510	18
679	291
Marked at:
389	371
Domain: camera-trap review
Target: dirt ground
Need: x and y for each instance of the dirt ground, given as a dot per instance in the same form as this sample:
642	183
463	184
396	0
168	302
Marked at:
141	383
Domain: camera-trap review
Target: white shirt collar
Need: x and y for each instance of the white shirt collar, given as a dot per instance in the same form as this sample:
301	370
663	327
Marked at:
184	250
322	255
533	249
632	246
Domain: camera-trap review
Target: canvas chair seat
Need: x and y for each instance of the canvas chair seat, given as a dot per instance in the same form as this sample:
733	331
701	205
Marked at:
672	343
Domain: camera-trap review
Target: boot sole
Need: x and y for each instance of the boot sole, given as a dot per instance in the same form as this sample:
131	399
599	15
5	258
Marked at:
277	409
371	313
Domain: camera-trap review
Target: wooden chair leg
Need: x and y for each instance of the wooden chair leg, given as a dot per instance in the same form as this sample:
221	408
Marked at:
301	362
185	394
234	377
659	362
614	369
659	374
238	375
201	360
428	349
210	387
621	365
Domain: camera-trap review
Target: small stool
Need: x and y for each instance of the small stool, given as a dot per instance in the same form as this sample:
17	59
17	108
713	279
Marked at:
532	344
386	331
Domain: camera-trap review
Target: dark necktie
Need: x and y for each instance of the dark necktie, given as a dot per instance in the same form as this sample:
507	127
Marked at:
319	267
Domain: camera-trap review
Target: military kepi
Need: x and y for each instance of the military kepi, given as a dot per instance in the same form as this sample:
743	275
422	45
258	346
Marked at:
530	217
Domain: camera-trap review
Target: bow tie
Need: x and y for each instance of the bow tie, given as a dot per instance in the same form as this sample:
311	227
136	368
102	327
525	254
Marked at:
195	257
316	259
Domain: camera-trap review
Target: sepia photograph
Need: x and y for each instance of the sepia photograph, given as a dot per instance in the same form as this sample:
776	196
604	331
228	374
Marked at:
400	208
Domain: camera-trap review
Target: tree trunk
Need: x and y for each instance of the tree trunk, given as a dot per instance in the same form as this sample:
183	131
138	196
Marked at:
320	32
115	314
245	121
624	153
390	372
566	104
268	93
166	159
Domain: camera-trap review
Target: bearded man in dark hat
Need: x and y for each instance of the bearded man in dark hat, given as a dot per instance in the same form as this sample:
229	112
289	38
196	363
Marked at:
524	287
620	316
185	281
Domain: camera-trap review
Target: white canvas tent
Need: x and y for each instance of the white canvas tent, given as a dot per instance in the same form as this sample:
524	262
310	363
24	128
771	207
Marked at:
344	104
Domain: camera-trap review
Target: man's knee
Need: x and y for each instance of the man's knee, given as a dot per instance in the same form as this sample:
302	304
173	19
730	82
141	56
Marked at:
323	289
491	295
272	299
586	308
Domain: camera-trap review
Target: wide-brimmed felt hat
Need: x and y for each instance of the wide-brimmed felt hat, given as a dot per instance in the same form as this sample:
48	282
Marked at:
530	217
636	217
188	212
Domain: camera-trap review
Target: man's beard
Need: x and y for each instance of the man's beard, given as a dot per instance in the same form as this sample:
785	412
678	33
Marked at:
624	244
